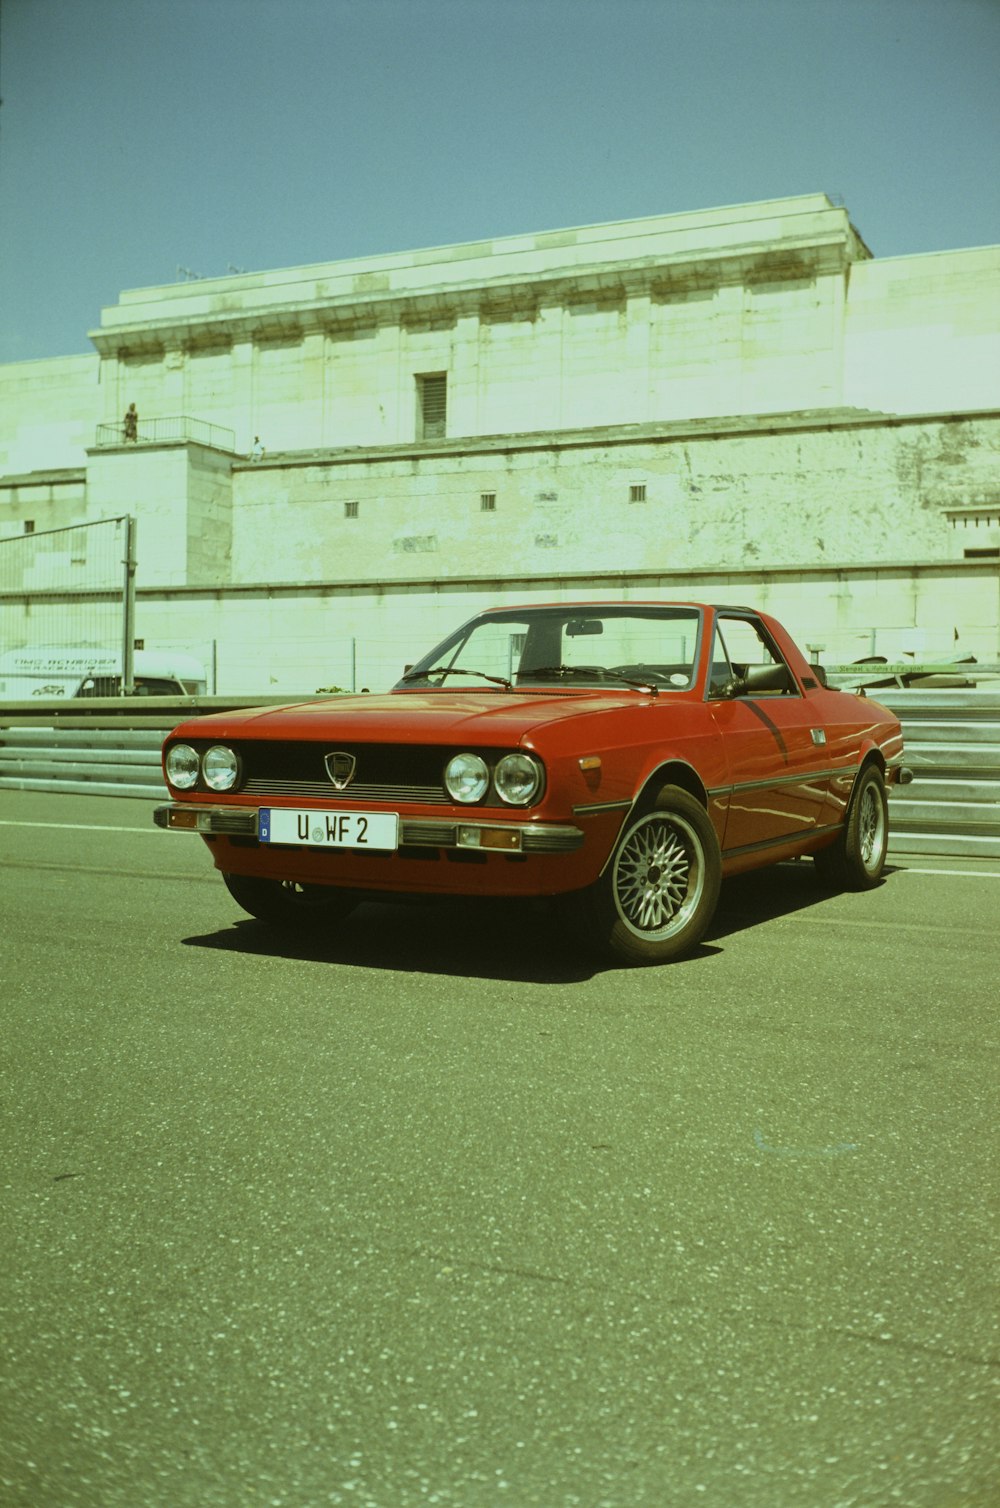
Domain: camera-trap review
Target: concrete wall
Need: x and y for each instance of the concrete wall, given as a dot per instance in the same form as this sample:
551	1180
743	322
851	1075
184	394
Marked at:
300	638
923	333
755	309
786	402
837	490
750	310
181	496
49	411
40	500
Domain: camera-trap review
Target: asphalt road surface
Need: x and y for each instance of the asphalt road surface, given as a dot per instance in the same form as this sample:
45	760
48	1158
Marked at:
435	1212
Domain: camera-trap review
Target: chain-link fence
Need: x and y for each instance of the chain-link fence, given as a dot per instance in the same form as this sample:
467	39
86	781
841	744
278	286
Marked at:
67	608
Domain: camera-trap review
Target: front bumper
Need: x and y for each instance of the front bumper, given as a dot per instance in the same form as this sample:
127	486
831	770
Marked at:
243	822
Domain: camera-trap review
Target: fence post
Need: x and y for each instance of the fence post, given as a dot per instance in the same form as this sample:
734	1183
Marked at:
128	615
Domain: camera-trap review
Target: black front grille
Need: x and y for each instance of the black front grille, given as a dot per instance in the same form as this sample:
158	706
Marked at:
322	790
389	773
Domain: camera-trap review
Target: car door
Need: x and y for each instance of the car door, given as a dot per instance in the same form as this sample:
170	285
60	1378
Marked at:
775	753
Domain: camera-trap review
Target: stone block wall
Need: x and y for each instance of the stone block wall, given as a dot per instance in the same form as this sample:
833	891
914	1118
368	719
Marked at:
181	497
922	333
49	412
739	395
848	491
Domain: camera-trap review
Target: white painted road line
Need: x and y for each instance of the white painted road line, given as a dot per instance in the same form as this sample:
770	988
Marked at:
84	827
100	827
961	874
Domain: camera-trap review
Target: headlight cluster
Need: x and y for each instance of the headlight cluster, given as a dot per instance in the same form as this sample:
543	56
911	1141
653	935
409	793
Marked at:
218	767
516	778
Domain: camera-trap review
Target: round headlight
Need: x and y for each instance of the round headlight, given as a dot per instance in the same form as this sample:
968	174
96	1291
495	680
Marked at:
182	767
220	768
466	778
518	779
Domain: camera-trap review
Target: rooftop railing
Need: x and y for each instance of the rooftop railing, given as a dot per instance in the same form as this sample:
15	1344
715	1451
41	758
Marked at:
167	430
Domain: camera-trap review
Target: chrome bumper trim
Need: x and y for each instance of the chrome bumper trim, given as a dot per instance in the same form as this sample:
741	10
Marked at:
414	832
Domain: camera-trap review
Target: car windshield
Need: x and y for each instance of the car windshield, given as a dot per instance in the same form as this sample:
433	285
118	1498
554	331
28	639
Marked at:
574	646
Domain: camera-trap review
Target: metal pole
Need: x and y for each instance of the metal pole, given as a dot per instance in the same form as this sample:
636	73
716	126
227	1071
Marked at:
128	613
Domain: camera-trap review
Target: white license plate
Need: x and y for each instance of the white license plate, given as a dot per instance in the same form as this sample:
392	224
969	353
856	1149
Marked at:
314	829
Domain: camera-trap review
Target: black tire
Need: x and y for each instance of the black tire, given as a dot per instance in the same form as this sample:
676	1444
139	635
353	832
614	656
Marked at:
857	858
283	903
660	887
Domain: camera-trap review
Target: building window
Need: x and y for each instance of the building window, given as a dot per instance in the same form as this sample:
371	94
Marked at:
637	492
487	502
351	509
29	526
432	406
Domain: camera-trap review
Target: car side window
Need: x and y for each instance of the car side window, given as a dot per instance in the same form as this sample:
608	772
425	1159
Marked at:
721	673
746	663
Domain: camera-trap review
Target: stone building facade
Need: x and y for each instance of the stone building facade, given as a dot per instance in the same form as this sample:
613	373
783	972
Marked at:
739	404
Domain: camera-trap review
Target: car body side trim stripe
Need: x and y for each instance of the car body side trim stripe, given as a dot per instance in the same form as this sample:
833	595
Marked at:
801	779
599	807
782	842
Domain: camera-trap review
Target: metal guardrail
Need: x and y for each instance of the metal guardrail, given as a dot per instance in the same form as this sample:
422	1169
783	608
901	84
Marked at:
132	711
952	742
170	428
101	746
111	746
102	762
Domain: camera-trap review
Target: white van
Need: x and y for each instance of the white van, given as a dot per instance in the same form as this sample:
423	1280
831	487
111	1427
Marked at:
55	670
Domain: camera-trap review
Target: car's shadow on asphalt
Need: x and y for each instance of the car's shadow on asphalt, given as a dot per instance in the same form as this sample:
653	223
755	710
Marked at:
514	940
748	900
520	941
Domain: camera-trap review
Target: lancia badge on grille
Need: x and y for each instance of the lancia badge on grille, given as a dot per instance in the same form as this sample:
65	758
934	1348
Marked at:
340	768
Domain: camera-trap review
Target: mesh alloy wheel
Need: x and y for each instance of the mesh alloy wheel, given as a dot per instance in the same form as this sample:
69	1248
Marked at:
659	889
659	875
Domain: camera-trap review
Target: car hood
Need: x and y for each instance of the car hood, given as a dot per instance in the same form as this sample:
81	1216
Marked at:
416	716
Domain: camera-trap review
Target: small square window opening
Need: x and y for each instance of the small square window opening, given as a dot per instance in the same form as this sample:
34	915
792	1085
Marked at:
637	492
487	502
351	509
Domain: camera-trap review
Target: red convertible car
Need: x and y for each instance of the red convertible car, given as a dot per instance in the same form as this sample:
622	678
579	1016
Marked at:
621	758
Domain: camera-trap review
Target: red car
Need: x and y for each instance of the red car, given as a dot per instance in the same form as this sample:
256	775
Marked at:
622	758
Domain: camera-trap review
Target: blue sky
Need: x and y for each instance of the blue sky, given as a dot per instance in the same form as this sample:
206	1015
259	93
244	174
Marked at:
138	137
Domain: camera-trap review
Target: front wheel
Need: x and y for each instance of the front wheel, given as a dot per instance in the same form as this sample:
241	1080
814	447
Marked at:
856	860
660	887
284	903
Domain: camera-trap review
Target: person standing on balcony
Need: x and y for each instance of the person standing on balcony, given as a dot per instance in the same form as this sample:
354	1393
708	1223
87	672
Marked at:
131	424
257	449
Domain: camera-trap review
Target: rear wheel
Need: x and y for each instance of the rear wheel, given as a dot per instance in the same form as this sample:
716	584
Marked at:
856	860
285	903
659	890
